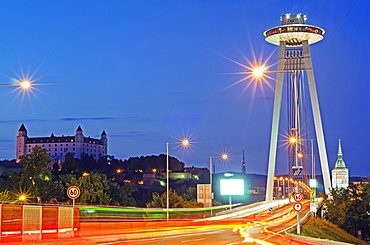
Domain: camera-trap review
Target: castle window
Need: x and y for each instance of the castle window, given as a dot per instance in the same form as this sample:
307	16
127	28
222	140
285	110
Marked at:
49	145
66	144
73	144
61	154
73	148
42	145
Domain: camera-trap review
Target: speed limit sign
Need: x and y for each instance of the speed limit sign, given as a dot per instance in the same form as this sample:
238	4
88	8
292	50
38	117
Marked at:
298	197
73	192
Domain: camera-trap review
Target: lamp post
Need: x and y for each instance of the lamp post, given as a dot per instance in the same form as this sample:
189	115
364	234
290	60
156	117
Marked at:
185	143
224	157
23	84
282	189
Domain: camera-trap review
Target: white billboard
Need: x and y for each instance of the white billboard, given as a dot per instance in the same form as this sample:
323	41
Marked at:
232	186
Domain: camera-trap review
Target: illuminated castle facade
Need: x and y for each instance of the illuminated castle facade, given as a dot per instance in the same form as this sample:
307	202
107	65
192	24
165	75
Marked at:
58	147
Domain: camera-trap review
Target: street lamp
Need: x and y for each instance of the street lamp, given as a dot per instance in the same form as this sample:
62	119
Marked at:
184	143
23	84
224	157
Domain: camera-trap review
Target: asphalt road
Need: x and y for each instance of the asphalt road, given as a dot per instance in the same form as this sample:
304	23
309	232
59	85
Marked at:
206	237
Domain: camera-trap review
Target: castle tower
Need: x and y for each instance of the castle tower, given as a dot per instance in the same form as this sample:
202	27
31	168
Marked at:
21	142
79	137
294	69
104	140
340	172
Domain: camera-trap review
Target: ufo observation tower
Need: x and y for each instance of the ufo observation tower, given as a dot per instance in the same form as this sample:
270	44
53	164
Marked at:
295	70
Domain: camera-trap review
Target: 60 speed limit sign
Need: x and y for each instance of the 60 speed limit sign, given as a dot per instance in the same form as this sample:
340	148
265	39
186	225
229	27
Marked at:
73	192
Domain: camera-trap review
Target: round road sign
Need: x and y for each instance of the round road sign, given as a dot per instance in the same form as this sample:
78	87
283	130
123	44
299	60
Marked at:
298	197
73	192
297	206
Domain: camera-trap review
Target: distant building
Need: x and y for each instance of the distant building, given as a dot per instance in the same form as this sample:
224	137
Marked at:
58	147
340	176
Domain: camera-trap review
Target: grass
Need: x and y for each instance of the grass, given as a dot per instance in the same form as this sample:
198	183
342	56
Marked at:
319	228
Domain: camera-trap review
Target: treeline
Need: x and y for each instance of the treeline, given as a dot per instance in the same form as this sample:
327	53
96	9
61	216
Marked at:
349	208
109	164
36	182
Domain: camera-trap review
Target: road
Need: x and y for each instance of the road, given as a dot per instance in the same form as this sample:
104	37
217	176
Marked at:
206	237
264	229
238	227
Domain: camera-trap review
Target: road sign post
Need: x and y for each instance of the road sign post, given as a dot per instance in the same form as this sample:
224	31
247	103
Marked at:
73	192
298	197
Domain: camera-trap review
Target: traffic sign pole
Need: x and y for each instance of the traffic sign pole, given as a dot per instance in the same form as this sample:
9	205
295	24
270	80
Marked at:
298	223
73	192
298	197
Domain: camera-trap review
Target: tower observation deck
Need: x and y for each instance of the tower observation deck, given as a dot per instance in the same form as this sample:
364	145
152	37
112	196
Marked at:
294	31
294	71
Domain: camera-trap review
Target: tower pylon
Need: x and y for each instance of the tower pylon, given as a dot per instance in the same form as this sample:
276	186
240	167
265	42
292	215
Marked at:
294	62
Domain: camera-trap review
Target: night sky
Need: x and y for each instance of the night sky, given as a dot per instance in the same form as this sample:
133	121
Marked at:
151	72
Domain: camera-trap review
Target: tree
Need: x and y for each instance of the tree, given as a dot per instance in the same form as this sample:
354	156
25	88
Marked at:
35	172
121	195
94	187
87	163
347	207
187	193
160	200
70	164
5	196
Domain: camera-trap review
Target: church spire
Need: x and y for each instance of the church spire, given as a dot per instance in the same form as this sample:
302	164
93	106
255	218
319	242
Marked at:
243	163
340	163
340	173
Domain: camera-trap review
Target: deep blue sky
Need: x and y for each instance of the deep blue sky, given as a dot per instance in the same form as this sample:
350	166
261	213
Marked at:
148	72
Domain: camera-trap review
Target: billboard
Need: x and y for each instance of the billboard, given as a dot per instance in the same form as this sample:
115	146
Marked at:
232	186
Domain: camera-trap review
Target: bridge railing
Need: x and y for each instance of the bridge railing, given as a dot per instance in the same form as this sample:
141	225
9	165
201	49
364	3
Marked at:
20	223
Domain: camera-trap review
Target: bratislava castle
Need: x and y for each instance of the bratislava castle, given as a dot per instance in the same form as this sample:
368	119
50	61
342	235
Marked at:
340	175
58	147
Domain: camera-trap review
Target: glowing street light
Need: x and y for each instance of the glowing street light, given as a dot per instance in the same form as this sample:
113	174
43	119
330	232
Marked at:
184	143
260	71
22	198
292	140
224	157
23	84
